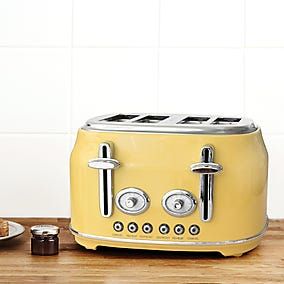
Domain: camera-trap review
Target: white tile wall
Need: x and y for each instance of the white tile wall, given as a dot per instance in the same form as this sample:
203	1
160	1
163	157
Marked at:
62	62
116	23
264	23
194	79
109	79
35	90
35	22
34	179
265	87
202	23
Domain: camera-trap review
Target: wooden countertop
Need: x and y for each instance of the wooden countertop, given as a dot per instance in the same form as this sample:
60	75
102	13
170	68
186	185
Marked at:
75	264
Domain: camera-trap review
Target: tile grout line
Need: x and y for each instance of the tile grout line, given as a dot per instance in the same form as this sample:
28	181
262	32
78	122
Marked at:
141	47
244	60
158	57
68	209
71	76
34	46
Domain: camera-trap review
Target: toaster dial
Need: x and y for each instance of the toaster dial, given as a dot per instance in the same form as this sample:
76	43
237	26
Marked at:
179	203
132	201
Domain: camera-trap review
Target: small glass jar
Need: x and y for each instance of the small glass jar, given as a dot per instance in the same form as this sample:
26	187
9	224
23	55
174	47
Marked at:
44	240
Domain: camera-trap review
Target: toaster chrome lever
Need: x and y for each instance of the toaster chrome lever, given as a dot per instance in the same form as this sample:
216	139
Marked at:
206	168
105	164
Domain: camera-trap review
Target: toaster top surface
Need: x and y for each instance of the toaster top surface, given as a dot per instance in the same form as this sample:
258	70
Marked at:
170	123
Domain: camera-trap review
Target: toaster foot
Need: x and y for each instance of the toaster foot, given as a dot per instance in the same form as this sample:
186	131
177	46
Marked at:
239	250
88	244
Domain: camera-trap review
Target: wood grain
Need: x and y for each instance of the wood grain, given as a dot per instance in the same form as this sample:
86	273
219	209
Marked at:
75	264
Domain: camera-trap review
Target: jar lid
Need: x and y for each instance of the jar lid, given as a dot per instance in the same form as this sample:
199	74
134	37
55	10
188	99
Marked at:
45	230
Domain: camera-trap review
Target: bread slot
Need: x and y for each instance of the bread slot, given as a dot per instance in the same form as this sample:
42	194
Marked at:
194	120
120	118
226	120
152	119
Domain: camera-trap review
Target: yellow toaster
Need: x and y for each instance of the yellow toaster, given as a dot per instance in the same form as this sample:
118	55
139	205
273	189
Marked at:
169	182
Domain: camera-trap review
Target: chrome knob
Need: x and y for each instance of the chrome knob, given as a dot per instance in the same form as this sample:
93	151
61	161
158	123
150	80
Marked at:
178	204
130	202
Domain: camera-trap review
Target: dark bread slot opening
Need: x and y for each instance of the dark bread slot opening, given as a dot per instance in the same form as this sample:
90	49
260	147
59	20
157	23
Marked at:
226	120
194	120
120	118
151	119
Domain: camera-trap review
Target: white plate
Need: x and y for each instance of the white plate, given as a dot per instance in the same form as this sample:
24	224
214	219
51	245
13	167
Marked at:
15	230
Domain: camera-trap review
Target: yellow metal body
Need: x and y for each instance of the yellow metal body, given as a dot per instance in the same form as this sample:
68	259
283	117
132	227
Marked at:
158	163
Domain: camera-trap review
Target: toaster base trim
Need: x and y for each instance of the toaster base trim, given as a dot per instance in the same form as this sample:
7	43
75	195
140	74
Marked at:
171	243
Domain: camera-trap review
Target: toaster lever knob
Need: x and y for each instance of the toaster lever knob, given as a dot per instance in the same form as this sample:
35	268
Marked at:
206	168
103	164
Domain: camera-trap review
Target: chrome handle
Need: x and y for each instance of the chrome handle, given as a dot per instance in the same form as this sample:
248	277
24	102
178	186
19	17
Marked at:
105	164
206	168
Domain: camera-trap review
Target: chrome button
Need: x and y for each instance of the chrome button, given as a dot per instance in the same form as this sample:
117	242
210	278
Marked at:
164	229
118	226
179	229
132	227
147	228
194	230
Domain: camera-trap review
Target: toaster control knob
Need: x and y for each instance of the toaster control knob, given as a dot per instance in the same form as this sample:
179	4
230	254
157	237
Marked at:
132	201
179	202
